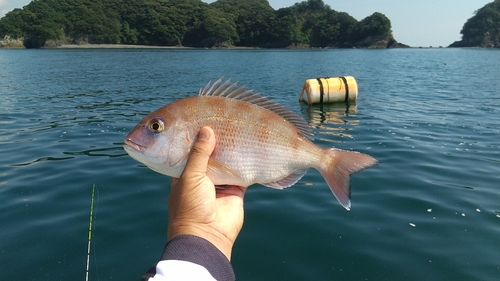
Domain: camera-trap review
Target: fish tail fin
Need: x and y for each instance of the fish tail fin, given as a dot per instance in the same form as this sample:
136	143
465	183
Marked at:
337	169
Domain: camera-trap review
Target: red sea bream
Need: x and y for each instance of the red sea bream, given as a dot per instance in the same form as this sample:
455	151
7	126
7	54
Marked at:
257	141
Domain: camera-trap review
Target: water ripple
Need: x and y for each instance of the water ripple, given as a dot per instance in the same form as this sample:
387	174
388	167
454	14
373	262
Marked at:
110	152
332	121
432	126
41	160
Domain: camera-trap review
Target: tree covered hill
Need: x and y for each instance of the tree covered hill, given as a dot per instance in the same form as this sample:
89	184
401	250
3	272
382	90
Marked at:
249	23
483	29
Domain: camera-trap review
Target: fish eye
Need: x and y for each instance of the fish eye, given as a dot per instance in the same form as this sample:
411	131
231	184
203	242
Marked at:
156	126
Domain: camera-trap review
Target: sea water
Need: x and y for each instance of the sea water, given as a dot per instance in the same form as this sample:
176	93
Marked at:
429	211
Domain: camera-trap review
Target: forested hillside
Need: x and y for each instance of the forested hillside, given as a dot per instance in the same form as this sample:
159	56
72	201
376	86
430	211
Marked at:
483	29
193	23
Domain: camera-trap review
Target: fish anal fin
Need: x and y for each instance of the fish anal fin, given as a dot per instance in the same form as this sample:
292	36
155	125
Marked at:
288	181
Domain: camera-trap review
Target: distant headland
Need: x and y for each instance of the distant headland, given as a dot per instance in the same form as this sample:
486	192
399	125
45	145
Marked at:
190	23
483	29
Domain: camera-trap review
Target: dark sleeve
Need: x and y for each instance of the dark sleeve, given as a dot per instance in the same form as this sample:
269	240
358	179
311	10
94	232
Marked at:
199	251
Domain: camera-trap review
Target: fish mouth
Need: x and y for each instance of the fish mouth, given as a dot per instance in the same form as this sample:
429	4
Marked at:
130	144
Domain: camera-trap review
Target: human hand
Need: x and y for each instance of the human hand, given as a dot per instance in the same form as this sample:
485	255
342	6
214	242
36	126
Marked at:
196	207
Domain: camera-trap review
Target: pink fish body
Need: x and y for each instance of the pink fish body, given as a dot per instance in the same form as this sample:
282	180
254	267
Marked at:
257	141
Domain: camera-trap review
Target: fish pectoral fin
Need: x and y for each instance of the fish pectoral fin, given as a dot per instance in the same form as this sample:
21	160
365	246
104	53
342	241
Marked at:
288	181
215	167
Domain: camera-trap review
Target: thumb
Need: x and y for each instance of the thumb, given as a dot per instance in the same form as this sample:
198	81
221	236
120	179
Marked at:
200	153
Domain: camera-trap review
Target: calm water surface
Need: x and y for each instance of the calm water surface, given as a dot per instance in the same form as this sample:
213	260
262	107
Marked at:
429	211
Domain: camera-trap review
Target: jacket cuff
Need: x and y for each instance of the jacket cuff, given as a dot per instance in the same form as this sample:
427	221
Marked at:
199	251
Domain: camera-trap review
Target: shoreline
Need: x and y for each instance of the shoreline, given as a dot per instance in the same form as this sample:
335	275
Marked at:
125	46
113	46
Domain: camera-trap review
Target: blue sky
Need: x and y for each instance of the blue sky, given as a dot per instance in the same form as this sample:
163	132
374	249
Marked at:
415	23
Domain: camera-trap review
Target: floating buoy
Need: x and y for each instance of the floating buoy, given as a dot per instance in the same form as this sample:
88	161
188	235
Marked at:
329	90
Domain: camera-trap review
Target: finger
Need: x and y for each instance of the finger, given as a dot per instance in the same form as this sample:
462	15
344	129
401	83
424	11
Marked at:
232	190
173	180
200	153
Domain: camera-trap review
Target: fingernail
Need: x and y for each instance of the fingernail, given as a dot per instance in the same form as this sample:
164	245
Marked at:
203	134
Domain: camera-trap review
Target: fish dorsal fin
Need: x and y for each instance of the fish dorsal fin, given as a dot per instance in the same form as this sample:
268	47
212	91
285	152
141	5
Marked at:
230	90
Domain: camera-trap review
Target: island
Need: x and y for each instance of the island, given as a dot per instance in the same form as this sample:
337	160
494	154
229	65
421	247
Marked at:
191	23
483	29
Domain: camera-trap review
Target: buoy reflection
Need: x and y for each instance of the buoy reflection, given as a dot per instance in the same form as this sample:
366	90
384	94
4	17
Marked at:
334	119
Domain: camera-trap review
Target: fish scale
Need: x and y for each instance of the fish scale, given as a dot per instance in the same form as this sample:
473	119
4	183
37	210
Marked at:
257	141
257	144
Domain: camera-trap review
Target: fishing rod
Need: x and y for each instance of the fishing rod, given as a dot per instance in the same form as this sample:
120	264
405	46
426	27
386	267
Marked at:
90	232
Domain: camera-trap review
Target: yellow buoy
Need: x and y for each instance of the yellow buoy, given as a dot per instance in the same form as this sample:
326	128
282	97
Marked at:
329	90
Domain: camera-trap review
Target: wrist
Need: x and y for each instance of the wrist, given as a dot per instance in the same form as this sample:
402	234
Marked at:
221	242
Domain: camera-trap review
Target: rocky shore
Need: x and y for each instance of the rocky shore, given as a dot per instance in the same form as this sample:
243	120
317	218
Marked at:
8	42
369	43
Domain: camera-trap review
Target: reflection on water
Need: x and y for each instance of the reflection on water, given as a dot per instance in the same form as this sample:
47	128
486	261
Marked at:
110	152
331	119
41	160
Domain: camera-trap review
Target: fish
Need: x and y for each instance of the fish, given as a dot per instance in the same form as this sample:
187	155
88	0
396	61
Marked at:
257	141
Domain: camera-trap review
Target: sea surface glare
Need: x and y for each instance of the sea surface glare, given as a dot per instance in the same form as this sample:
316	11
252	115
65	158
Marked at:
429	211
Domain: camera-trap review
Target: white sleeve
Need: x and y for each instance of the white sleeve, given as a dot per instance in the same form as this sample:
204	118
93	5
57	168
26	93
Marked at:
188	257
175	270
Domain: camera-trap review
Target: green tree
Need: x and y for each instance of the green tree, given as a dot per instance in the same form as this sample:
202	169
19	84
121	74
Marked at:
213	30
313	23
252	18
85	20
42	23
483	29
13	24
288	28
375	25
195	23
